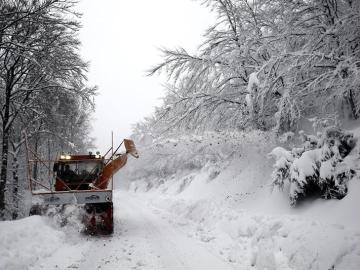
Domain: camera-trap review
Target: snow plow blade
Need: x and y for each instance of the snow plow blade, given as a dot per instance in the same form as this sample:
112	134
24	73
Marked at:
74	197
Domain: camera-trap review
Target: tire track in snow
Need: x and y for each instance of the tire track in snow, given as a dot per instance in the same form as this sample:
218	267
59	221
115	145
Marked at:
143	240
174	249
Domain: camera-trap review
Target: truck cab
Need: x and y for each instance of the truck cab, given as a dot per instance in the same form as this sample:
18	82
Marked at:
77	172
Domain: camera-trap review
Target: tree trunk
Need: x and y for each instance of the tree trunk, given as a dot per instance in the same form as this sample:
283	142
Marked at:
15	178
5	149
3	173
35	166
15	190
354	112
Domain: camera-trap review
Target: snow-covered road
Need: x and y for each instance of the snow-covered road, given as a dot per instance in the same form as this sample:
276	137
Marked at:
143	239
154	231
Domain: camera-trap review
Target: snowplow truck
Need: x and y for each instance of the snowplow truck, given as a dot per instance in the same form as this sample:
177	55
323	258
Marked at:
85	180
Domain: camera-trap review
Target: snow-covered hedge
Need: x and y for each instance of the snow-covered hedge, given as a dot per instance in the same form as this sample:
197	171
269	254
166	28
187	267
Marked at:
321	167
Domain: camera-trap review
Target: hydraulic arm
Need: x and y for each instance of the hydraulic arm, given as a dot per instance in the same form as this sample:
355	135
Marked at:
115	165
110	169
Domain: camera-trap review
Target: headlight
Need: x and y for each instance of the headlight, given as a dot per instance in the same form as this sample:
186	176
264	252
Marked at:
67	157
97	156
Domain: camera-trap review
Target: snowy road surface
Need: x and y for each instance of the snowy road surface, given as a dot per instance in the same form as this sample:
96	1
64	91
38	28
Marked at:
153	231
142	240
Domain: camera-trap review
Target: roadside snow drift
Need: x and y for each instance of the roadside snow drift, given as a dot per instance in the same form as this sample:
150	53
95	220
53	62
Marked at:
39	242
25	241
228	204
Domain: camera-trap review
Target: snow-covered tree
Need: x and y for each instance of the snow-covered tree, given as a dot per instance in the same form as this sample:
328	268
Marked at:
265	64
42	77
322	167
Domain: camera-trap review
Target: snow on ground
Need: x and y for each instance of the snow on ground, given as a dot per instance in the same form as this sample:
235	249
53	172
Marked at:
154	231
325	235
211	209
143	239
231	207
34	240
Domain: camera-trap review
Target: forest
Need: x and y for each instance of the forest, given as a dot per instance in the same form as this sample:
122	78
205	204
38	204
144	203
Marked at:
44	95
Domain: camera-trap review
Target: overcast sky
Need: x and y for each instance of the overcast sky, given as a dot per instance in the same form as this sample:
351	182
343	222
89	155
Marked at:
121	41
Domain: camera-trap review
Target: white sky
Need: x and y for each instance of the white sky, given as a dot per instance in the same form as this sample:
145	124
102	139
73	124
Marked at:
121	40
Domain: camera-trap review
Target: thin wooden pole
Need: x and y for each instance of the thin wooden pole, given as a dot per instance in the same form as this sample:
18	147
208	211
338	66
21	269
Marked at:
112	157
49	172
28	162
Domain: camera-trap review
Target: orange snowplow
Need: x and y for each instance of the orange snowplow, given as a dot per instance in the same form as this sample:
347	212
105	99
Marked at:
86	180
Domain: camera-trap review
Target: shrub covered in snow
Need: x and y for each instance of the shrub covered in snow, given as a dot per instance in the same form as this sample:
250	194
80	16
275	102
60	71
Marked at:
322	166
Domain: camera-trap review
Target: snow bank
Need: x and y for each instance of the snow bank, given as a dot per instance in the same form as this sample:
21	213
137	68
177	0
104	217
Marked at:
25	241
38	242
251	239
228	204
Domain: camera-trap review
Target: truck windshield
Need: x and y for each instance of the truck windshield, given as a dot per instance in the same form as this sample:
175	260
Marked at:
79	170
